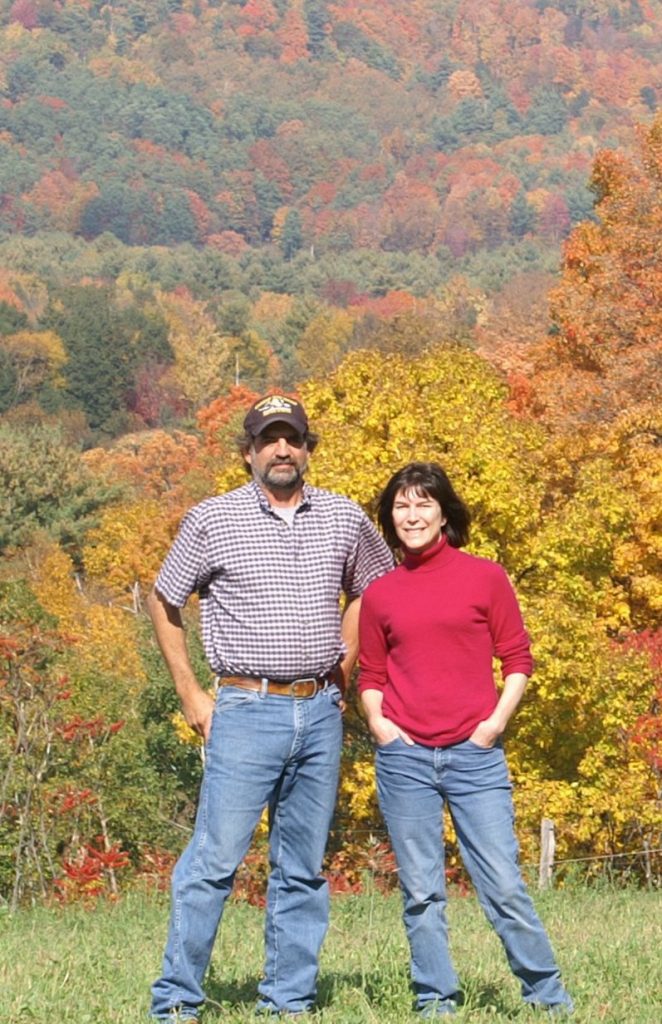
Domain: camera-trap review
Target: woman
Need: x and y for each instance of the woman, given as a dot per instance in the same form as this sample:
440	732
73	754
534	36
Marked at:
428	633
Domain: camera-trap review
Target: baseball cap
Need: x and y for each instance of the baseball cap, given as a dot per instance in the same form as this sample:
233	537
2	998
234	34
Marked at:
275	409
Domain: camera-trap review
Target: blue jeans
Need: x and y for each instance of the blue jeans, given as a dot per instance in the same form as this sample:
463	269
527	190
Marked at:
263	750
413	784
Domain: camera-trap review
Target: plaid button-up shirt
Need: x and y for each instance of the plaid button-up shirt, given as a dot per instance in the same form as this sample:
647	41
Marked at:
269	592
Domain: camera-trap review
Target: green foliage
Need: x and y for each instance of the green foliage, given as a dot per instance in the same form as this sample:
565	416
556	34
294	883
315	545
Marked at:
355	43
176	764
8	381
43	486
105	344
522	216
11	318
317	18
547	114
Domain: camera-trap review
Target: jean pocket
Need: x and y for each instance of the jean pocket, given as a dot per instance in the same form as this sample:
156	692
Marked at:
230	697
389	745
335	696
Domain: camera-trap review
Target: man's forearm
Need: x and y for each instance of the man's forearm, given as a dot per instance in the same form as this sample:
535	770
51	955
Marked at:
197	705
350	637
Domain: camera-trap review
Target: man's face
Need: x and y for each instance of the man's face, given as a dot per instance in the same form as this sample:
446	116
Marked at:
278	457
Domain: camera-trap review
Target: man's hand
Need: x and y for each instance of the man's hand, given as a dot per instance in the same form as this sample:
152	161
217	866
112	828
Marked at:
197	708
197	705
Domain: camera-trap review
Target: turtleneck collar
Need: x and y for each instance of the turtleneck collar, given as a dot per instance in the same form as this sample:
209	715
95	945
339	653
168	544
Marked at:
432	557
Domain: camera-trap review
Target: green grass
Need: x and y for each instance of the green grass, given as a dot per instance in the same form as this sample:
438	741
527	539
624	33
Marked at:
74	966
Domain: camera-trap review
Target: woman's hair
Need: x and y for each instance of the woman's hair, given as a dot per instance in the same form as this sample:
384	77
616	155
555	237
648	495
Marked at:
426	478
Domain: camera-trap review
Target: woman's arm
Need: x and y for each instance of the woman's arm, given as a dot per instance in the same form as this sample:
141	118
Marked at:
382	729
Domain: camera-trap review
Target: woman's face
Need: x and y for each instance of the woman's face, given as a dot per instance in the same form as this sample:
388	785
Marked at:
417	519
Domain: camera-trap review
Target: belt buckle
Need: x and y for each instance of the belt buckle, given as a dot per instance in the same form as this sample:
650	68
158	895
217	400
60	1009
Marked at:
310	683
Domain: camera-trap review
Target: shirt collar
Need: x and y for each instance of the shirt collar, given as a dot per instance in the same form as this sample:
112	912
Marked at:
265	505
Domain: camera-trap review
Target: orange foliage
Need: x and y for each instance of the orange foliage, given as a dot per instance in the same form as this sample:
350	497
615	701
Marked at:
387	306
293	35
607	306
153	463
214	419
229	242
201	213
260	15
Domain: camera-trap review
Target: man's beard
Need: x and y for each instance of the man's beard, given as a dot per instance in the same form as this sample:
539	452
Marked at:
275	480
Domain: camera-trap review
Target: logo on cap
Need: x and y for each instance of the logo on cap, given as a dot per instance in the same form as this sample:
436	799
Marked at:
276	404
272	408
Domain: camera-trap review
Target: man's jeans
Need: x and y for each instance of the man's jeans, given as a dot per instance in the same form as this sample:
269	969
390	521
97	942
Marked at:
263	749
413	783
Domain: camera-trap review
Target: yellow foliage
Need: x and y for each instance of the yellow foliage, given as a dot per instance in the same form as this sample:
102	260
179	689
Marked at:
36	356
358	790
272	306
377	412
204	358
129	545
325	341
109	644
184	732
105	636
56	590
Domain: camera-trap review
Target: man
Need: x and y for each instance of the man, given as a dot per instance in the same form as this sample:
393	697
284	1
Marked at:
269	561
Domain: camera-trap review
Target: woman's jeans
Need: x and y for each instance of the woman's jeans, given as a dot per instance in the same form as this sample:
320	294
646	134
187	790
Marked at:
262	750
413	783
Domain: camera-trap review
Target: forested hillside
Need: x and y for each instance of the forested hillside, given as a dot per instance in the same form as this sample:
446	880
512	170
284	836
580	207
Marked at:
440	224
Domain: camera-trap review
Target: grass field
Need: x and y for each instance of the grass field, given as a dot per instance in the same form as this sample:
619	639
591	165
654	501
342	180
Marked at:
74	966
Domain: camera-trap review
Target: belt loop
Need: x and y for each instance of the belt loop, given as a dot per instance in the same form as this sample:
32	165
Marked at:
265	686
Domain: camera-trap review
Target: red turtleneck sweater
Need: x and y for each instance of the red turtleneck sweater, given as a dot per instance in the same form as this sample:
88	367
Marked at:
428	633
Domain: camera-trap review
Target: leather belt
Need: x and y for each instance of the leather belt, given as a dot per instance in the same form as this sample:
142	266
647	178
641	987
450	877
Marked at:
301	689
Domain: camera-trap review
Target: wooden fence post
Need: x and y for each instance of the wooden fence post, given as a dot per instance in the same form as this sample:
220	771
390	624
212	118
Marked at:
547	850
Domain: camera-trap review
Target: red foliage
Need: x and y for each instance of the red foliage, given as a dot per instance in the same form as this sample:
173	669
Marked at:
87	873
646	734
293	37
183	22
341	293
155	397
25	13
54	102
78	728
72	799
156	869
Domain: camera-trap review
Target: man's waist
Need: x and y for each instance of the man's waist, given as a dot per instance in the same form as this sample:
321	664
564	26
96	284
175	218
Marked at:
301	687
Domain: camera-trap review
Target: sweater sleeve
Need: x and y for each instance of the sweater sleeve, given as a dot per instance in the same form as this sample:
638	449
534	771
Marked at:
511	641
372	647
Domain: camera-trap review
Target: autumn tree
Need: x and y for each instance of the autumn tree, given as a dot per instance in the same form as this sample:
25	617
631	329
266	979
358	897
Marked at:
607	312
